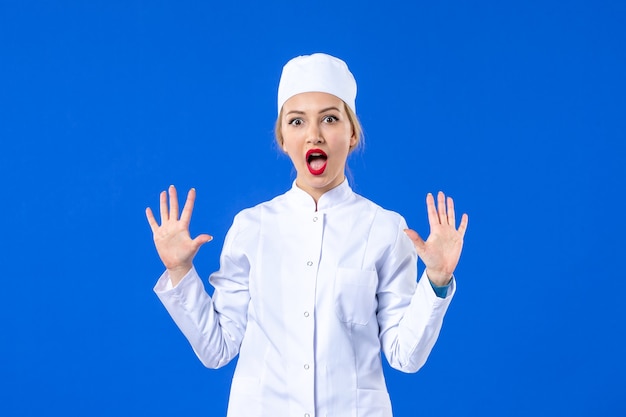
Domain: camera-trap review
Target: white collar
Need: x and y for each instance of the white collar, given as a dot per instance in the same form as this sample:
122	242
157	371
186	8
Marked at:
329	199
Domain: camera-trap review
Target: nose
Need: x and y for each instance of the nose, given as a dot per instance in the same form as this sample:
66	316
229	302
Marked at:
314	134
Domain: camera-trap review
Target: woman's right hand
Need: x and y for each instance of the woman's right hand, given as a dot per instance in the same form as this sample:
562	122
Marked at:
173	242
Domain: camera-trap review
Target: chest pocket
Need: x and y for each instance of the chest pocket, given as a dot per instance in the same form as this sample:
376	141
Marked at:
355	295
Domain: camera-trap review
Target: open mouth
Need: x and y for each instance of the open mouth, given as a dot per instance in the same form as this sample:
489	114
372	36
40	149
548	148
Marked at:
316	161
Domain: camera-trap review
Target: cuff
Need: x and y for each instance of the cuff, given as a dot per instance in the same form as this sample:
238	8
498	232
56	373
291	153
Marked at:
441	292
164	283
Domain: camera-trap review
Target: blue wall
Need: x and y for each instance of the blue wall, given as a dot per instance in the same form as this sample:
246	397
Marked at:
517	109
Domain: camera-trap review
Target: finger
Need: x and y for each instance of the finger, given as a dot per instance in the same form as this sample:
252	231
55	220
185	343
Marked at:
433	218
463	225
417	240
173	203
188	207
202	239
165	215
451	215
441	206
151	220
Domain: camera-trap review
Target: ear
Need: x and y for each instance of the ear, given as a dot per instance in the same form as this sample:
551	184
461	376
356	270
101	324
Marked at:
353	140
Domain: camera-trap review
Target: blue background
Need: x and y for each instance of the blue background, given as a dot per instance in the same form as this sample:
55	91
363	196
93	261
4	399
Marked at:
516	109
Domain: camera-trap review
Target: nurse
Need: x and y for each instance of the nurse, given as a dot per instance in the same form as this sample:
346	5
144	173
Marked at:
316	283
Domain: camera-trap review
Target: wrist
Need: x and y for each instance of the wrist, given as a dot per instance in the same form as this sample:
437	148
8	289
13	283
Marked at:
440	279
177	274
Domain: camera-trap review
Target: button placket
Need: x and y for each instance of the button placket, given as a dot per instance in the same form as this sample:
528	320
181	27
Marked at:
313	231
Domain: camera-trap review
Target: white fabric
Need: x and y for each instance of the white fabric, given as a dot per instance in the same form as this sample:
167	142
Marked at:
308	299
318	72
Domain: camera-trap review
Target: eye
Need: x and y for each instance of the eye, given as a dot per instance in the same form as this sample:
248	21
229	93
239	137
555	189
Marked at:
296	122
330	119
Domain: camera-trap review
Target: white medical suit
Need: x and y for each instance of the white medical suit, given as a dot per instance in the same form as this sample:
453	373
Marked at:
308	299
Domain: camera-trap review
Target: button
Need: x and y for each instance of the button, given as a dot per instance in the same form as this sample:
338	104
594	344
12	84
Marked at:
314	219
307	415
306	366
309	263
306	314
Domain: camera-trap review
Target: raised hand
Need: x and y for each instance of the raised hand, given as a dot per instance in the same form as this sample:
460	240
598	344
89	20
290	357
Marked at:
442	250
173	242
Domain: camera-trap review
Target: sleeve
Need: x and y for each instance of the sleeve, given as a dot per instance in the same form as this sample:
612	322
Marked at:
213	326
441	291
410	314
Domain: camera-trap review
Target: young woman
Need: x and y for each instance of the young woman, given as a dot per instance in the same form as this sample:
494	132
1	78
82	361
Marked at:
315	283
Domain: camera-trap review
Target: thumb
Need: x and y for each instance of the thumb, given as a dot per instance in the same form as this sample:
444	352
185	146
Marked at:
202	239
415	238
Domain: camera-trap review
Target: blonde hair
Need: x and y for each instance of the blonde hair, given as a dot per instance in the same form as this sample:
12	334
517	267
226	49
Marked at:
357	129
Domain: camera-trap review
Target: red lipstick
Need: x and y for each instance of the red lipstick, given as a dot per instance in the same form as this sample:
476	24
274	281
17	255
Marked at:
316	161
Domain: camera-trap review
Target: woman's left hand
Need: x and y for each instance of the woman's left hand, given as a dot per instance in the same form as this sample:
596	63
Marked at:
442	250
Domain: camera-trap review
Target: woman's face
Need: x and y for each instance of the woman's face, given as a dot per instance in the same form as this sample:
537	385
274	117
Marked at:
317	136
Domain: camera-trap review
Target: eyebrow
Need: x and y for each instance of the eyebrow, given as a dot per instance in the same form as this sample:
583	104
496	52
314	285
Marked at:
320	112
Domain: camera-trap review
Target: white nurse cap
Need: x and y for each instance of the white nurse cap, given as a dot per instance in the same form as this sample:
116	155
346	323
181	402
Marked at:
320	73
